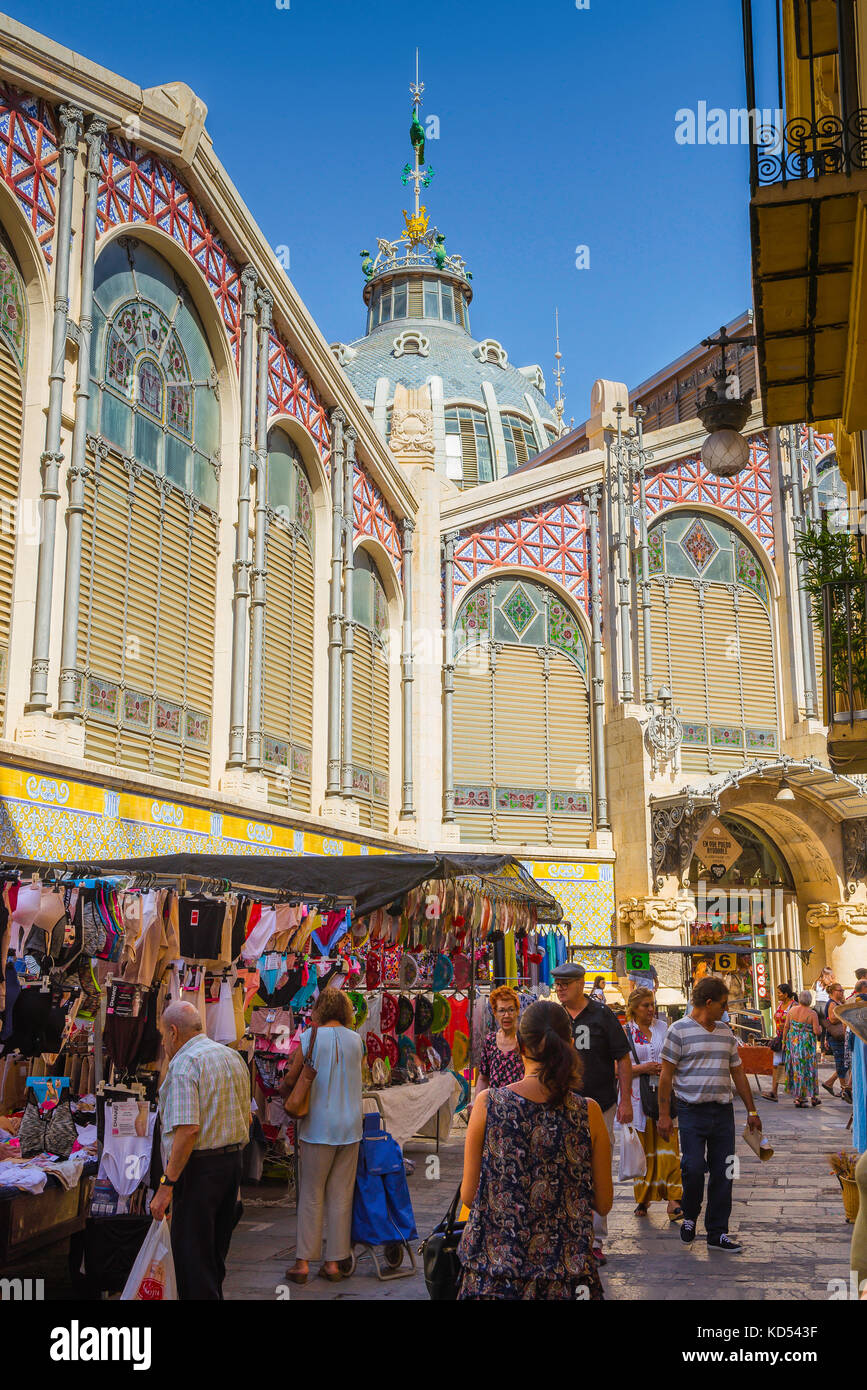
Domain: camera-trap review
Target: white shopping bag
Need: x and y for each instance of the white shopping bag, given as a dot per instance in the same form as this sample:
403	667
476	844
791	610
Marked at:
633	1161
152	1277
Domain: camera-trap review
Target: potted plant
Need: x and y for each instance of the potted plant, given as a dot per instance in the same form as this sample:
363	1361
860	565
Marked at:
834	574
842	1165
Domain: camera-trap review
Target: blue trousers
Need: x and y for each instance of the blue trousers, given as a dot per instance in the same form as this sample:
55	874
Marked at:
707	1139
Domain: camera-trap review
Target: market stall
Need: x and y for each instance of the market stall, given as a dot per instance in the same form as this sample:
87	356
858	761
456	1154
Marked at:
94	951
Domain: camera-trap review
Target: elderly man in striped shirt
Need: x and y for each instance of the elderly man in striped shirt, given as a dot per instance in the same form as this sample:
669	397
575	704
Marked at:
205	1119
700	1061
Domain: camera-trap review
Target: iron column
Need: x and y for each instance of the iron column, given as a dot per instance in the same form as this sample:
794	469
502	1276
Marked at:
71	119
255	711
335	636
597	673
348	624
449	685
407	810
241	569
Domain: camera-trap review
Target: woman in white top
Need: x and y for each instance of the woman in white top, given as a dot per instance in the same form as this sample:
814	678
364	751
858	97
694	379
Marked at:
662	1181
329	1136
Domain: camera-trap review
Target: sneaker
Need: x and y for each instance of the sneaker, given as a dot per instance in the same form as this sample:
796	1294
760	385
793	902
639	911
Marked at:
724	1242
599	1257
687	1232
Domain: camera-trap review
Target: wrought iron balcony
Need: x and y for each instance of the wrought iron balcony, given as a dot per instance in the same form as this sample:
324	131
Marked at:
810	149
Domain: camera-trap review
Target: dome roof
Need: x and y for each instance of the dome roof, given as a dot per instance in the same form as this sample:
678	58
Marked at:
450	353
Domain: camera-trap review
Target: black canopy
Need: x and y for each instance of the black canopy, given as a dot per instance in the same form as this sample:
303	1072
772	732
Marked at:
362	881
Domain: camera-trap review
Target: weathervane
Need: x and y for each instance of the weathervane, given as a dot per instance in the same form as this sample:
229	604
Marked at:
417	221
559	373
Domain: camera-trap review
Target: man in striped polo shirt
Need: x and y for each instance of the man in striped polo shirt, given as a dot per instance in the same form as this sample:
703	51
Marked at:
700	1062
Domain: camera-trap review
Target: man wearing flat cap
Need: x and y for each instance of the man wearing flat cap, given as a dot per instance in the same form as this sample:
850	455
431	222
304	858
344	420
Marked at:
602	1046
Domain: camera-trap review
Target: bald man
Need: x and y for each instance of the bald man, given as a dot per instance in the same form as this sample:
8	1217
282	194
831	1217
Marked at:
205	1119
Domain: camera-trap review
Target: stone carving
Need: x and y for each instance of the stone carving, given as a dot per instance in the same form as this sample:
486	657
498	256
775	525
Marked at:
844	917
489	350
411	435
660	914
411	340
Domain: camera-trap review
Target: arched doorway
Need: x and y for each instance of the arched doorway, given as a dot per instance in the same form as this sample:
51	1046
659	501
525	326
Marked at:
745	896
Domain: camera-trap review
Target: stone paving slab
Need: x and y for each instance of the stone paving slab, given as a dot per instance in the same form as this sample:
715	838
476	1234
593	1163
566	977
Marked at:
787	1212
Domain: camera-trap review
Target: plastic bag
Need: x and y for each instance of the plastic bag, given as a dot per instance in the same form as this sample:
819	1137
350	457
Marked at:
633	1160
152	1277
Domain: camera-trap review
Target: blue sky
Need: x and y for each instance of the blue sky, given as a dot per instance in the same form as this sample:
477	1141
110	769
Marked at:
557	130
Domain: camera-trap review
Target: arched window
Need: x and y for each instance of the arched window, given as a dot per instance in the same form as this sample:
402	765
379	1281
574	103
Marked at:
469	456
521	717
287	685
833	493
520	440
370	693
154	391
149	548
712	640
13	359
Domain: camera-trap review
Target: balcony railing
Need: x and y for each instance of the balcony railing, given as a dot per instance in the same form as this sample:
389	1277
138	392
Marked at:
844	623
798	137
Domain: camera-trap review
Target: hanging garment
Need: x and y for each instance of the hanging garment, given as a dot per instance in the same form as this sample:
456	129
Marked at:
126	1158
37	1023
125	1018
200	928
221	1016
261	934
511	970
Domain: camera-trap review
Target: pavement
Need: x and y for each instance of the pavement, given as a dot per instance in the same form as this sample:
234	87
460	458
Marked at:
787	1212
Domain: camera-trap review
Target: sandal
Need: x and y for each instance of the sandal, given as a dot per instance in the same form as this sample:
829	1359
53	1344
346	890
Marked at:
828	1086
332	1275
775	1099
297	1276
815	1101
640	1210
676	1215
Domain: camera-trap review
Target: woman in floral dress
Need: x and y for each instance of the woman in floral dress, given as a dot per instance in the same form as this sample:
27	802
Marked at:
802	1030
537	1164
501	1061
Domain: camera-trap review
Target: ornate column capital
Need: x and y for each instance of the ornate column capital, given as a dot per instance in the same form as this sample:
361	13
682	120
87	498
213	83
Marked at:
656	914
842	917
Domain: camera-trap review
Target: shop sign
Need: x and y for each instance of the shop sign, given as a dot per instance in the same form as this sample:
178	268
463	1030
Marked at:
718	848
725	962
637	962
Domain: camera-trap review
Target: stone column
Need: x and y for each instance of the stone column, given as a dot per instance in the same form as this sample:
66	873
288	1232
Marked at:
597	670
843	927
407	809
67	707
71	119
348	620
335	634
241	572
255	731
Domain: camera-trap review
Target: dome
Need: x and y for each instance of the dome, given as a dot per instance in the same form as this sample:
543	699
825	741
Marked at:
489	416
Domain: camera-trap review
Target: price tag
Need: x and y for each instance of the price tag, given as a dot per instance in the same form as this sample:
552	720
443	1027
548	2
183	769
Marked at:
725	961
124	1114
637	961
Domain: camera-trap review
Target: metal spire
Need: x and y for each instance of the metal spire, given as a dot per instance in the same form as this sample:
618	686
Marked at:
417	223
559	373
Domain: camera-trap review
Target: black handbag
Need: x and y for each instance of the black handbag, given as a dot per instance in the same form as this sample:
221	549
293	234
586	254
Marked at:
649	1094
442	1268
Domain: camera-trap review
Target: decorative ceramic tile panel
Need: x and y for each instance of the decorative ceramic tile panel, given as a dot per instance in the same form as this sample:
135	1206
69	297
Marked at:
301	759
551	538
29	159
565	803
521	799
519	609
762	740
586	892
726	737
747	495
136	186
374	517
564	633
290	392
472	798
694	735
275	752
750	573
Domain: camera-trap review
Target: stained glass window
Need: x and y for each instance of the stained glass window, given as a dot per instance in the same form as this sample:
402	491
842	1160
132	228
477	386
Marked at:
151	358
13	311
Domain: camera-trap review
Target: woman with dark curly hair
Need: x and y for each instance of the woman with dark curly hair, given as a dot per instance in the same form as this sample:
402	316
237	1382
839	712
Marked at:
537	1164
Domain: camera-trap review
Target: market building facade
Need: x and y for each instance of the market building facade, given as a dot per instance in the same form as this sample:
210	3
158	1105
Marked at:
259	592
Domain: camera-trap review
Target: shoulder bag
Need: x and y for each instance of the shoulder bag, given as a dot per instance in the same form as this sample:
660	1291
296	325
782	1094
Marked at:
834	1028
648	1094
442	1268
297	1103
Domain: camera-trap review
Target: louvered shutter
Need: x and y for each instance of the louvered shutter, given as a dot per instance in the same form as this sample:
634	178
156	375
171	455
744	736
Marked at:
301	711
758	667
569	747
722	659
473	738
519	741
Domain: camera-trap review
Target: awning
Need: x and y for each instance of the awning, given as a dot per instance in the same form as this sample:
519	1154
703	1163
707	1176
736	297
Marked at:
364	882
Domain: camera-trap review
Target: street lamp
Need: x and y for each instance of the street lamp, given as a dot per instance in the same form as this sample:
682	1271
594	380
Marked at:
725	451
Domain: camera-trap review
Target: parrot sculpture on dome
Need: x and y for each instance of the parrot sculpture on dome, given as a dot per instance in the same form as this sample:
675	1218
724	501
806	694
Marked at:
416	135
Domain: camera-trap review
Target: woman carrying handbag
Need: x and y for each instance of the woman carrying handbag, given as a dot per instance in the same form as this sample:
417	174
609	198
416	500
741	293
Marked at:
322	1090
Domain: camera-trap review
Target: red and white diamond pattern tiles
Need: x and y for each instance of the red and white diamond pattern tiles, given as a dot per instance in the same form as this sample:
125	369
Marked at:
374	517
290	393
747	495
138	187
29	159
550	538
